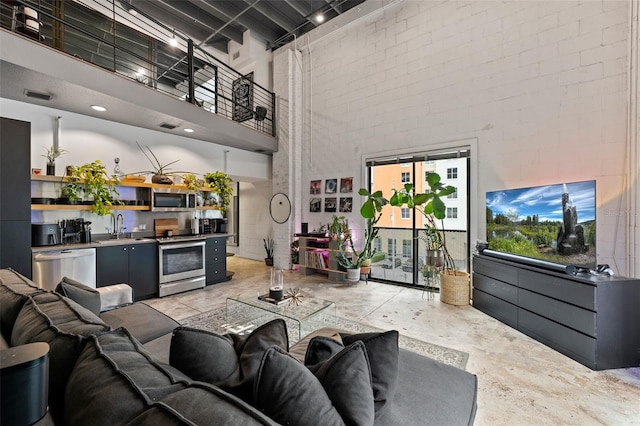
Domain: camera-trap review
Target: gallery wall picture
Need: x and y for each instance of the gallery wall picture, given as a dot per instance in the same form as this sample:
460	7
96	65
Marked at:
315	205
346	204
346	185
315	187
331	186
330	204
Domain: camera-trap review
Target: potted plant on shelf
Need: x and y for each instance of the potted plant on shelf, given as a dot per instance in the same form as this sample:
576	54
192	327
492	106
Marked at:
220	183
268	247
160	172
91	180
51	155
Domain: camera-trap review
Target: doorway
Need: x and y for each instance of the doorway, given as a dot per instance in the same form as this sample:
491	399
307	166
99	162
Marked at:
400	246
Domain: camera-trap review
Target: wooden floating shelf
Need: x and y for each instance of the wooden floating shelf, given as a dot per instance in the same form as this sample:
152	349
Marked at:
64	179
83	207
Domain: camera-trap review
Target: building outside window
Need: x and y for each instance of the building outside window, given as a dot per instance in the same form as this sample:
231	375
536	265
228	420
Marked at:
405	213
453	196
406	248
452	212
452	173
391	247
377	244
406	177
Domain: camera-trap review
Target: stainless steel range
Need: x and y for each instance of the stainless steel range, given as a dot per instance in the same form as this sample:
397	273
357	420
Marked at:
181	264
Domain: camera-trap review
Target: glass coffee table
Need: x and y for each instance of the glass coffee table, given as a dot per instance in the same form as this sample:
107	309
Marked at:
246	312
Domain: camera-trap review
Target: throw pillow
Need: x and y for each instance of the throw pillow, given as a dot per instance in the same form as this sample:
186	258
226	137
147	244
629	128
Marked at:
204	356
319	350
239	367
341	393
382	349
81	294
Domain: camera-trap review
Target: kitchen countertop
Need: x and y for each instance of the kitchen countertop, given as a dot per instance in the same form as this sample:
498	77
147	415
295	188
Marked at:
107	242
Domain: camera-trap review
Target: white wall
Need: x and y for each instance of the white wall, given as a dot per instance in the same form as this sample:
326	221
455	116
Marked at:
542	87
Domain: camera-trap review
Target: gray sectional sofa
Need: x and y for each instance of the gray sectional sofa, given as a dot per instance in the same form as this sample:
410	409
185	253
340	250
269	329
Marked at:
135	366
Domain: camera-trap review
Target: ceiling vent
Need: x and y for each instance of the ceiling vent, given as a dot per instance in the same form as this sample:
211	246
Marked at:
168	126
36	95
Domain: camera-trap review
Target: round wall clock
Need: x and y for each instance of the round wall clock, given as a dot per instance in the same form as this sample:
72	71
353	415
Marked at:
280	208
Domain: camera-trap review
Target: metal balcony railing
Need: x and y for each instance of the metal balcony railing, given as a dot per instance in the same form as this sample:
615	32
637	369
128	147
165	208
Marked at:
107	34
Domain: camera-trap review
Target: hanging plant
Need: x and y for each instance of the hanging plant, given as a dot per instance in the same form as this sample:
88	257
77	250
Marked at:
220	183
92	181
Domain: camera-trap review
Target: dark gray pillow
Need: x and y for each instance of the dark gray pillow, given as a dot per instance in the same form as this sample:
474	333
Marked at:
382	349
204	356
81	294
247	354
319	350
290	394
15	290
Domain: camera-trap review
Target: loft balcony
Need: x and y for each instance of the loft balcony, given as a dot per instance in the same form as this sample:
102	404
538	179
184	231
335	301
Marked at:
70	55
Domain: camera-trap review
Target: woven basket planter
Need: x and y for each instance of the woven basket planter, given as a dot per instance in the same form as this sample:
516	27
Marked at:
454	288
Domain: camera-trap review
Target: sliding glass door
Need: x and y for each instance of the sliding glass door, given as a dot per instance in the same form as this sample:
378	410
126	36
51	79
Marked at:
401	247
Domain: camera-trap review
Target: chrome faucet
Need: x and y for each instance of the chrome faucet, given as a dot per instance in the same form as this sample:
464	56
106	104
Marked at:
118	225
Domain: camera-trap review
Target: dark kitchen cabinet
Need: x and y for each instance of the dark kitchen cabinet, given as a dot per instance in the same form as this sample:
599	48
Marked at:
216	260
133	264
15	195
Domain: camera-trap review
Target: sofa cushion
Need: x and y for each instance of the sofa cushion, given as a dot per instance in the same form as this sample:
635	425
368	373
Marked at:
340	394
15	290
80	293
116	381
230	361
320	349
432	393
382	349
64	325
144	322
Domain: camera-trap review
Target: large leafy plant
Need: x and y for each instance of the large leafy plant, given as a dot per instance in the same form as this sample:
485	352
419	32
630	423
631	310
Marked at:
91	180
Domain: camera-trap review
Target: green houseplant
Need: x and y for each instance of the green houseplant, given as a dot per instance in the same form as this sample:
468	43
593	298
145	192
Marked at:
51	155
160	172
371	211
220	183
91	180
269	245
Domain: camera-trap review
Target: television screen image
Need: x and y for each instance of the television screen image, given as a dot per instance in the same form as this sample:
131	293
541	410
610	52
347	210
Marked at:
554	223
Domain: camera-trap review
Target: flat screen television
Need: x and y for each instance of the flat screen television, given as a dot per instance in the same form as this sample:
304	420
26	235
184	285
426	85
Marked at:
552	223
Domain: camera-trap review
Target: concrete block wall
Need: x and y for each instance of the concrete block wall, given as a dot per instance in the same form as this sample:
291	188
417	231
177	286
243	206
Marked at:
542	87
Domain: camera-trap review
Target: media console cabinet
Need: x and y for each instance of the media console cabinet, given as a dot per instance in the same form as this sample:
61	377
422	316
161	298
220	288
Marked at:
594	320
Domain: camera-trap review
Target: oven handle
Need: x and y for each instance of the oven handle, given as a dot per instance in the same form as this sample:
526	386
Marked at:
181	245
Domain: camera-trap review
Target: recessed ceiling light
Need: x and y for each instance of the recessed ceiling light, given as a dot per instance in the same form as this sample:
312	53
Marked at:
98	108
173	41
189	130
319	18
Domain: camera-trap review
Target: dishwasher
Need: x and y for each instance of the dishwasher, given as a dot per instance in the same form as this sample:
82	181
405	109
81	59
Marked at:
48	267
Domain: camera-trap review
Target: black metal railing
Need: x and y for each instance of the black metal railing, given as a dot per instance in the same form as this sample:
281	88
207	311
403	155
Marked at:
127	42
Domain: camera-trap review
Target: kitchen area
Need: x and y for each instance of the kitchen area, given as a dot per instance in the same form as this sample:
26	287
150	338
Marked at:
162	241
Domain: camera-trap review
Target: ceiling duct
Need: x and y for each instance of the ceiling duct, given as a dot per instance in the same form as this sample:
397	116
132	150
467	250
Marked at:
36	95
168	126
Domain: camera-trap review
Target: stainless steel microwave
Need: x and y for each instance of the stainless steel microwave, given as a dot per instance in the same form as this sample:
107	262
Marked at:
172	200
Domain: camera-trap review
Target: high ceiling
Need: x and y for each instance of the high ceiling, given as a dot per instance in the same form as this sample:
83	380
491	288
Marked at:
215	22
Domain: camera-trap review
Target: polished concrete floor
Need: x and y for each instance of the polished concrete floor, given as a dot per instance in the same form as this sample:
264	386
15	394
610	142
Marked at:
520	381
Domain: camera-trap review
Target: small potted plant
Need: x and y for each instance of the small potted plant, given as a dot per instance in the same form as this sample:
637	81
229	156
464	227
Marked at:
268	247
51	155
160	171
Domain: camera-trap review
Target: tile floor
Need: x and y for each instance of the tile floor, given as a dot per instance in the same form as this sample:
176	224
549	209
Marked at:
520	381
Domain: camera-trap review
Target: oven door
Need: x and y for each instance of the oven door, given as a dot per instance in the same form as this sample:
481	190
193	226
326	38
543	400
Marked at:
181	261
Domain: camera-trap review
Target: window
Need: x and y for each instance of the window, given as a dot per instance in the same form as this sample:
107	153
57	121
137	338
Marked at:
405	213
377	244
454	195
452	173
452	212
391	247
406	177
406	248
